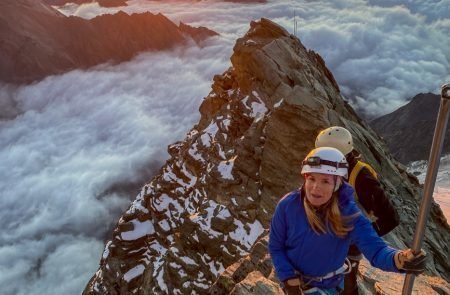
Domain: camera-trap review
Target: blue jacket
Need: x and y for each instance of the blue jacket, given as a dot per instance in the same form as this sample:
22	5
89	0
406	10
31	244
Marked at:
294	246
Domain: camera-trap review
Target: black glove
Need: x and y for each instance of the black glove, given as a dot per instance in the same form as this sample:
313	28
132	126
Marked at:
408	262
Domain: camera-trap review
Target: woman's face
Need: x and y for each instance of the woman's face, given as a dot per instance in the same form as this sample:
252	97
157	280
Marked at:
319	188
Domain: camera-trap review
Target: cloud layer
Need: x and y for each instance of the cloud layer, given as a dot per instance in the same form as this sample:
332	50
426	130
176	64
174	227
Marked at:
79	137
82	136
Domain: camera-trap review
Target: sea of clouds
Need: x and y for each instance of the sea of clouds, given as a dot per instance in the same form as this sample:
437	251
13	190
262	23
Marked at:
382	53
75	148
79	151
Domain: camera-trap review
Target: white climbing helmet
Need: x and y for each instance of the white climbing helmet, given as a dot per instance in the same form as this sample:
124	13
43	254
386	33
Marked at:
337	137
325	160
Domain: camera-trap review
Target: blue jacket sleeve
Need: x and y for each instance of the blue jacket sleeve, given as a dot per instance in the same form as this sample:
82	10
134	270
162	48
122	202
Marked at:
277	246
373	247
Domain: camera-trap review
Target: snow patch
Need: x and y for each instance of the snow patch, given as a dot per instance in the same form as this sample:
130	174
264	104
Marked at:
136	206
225	168
188	260
201	285
216	268
164	225
224	214
278	103
106	251
205	222
192	178
212	129
193	152
226	123
244	100
221	154
206	139
244	237
256	94
258	108
225	249
155	245
140	229
175	265
162	203
134	272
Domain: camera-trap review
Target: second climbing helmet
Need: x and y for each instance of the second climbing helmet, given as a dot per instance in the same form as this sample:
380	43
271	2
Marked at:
337	137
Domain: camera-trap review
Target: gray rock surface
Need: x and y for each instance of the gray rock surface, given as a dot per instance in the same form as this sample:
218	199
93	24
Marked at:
200	226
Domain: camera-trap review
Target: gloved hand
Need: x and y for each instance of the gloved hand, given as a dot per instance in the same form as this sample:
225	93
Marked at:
405	260
291	289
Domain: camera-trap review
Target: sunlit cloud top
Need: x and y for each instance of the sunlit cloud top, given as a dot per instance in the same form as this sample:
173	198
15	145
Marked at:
382	53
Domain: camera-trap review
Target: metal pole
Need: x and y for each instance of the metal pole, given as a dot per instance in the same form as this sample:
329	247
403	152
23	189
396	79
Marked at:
430	179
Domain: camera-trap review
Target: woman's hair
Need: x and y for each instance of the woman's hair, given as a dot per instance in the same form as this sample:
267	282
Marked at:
329	216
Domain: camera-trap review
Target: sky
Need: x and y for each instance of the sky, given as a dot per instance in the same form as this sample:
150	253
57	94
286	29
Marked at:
77	147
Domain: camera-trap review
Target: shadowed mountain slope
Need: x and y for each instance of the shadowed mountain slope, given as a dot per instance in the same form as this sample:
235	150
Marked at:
37	40
104	3
409	130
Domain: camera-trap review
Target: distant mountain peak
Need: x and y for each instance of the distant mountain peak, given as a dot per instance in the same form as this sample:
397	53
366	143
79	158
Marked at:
47	42
104	3
409	130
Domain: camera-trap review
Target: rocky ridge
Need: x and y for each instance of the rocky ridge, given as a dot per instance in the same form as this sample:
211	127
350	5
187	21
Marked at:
200	226
38	41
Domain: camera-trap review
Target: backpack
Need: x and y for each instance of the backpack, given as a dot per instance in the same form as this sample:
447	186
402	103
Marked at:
352	181
359	165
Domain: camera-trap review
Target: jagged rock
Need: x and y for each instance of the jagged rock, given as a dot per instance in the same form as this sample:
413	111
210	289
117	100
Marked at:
200	226
47	42
256	283
375	281
197	33
409	130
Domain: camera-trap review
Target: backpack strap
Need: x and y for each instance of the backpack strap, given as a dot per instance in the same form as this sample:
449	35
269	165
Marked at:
352	179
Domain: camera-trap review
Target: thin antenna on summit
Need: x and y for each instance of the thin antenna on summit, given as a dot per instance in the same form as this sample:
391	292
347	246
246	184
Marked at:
295	24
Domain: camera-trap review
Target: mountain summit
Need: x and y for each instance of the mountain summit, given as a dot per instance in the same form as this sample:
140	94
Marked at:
200	225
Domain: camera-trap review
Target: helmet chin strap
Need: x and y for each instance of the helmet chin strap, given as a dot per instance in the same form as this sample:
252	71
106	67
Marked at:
337	183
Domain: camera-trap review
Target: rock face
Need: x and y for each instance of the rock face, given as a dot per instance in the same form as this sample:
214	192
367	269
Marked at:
208	210
38	41
409	130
